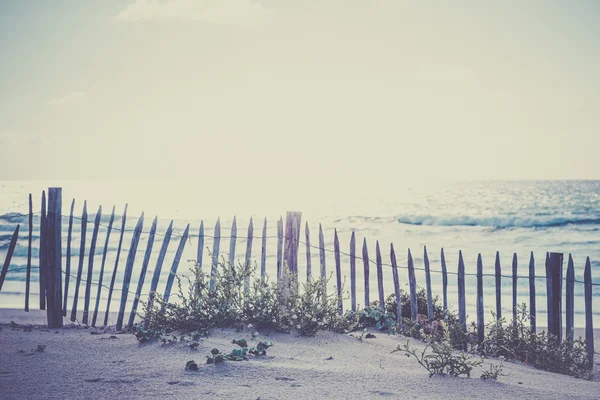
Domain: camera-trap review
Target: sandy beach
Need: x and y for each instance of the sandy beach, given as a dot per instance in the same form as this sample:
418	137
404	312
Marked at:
86	363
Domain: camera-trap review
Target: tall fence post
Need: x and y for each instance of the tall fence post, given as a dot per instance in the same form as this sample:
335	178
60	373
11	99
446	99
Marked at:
52	248
292	241
555	272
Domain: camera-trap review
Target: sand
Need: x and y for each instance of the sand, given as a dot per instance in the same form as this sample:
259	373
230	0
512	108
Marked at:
78	364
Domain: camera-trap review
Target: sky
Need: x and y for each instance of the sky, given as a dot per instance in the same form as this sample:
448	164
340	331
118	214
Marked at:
377	89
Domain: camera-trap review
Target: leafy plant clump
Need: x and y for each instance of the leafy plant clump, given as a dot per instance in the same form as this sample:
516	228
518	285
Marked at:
441	360
281	307
516	341
241	354
494	372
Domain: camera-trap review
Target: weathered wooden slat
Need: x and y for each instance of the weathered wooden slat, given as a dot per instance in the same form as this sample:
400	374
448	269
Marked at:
396	285
90	275
549	312
248	257
532	305
589	320
9	254
135	239
322	257
462	308
279	248
175	265
292	240
498	287
556	263
53	258
412	282
308	260
200	251
480	311
82	233
142	278
353	271
444	285
215	254
379	275
159	263
232	242
101	277
263	252
338	270
114	274
430	315
515	275
570	300
41	272
365	256
28	278
68	261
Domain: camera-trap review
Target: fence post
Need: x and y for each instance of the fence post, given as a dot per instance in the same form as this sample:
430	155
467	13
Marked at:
589	323
53	258
292	240
555	271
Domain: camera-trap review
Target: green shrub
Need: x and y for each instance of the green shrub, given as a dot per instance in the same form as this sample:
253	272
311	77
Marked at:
515	341
442	360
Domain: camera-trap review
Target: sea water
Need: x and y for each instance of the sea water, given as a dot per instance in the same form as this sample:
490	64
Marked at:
475	217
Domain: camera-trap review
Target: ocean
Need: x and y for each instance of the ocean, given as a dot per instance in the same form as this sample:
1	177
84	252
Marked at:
475	217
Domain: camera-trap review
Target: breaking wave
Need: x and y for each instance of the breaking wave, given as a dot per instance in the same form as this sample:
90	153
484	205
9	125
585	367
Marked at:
497	221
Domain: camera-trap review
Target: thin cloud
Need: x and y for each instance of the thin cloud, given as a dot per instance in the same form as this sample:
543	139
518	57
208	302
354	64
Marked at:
223	12
72	99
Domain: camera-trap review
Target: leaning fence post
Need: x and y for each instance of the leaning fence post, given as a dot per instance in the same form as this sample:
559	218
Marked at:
114	274
444	285
140	283
101	276
232	240
322	259
396	285
68	257
82	233
128	270
9	254
90	275
589	323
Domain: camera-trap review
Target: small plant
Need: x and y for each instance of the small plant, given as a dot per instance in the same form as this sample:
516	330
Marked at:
441	360
241	354
191	366
41	348
494	372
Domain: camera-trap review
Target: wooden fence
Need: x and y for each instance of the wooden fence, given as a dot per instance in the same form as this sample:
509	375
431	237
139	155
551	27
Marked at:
54	292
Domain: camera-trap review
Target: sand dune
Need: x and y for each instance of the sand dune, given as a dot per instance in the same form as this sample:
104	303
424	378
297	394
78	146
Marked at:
78	364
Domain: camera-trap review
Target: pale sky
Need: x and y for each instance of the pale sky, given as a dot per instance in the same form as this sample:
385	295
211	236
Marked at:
393	89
